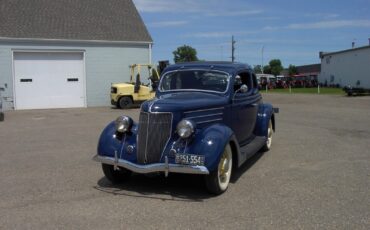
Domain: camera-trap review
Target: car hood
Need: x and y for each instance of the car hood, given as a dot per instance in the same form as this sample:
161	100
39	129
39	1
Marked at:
184	101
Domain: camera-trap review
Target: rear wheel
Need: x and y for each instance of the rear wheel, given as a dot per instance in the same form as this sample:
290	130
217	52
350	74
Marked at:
218	180
125	102
115	175
268	143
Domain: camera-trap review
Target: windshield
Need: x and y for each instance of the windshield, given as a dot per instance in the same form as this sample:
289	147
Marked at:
195	80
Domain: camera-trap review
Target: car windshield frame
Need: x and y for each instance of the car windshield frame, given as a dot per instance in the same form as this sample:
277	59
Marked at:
227	75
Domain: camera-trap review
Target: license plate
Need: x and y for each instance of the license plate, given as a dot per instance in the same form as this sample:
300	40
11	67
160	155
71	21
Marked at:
189	159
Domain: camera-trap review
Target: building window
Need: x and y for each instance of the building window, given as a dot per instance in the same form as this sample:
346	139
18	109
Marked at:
328	60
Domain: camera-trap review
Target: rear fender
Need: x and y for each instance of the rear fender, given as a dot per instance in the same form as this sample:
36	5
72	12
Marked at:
265	113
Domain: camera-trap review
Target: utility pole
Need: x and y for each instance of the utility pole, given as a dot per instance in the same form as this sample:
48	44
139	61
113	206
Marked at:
263	49
233	49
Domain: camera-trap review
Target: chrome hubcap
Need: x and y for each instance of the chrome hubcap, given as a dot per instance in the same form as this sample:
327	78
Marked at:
224	168
269	135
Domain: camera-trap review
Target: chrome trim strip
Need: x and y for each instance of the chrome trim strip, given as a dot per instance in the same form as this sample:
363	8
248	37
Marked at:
151	104
169	137
202	122
146	142
151	168
192	90
204	110
215	114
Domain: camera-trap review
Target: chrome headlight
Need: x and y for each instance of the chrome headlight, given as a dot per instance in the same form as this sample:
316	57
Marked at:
123	124
185	128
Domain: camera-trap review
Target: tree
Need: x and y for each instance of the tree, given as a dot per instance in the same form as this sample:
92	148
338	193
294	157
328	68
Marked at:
267	69
292	70
257	69
185	54
276	66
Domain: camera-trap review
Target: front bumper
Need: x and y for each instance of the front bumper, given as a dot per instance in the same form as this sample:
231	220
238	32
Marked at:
151	168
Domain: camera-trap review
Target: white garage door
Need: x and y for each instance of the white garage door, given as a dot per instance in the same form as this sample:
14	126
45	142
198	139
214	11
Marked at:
48	80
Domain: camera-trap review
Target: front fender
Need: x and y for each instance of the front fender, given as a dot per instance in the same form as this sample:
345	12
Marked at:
265	113
211	142
109	143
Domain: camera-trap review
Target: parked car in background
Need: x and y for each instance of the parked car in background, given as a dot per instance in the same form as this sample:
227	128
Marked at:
281	82
207	118
303	81
266	80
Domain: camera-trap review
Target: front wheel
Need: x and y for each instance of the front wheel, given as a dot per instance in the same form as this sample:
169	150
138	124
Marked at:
115	176
1	116
218	180
268	143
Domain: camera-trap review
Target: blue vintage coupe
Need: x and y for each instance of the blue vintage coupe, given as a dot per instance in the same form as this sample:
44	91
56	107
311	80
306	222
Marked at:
207	118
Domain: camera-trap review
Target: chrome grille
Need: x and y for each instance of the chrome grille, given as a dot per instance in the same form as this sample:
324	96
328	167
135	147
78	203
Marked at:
154	132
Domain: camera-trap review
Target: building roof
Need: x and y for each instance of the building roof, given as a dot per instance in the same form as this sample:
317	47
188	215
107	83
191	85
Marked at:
101	20
314	68
323	54
304	70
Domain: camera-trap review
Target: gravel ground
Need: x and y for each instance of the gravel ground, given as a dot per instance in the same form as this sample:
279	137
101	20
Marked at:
317	175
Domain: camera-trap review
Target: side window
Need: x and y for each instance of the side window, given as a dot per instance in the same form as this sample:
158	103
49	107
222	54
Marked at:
254	79
245	79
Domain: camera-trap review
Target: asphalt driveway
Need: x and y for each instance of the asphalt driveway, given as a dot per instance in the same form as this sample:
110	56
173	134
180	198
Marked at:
317	175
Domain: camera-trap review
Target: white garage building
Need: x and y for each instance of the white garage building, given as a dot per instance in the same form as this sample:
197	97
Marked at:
64	54
346	68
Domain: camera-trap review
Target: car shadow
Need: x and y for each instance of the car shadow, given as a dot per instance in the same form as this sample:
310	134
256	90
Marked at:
237	173
176	187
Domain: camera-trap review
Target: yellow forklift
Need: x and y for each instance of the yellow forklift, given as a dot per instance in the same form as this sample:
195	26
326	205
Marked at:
124	95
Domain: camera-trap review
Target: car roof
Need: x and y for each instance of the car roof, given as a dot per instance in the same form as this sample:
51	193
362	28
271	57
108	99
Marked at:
229	67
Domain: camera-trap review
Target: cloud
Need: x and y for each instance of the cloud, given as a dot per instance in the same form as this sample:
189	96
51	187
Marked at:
218	34
322	15
160	6
271	28
167	24
205	8
232	13
330	24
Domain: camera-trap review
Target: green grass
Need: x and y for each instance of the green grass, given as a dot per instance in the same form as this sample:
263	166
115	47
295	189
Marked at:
332	91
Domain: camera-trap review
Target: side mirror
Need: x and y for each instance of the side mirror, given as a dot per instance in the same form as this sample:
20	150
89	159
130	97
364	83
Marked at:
243	88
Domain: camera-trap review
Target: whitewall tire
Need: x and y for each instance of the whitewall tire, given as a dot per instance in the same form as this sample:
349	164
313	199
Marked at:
218	180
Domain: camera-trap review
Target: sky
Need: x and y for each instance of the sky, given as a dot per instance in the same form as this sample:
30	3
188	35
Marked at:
292	31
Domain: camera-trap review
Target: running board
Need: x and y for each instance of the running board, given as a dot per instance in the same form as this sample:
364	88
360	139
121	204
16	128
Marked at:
250	149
